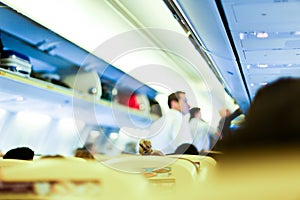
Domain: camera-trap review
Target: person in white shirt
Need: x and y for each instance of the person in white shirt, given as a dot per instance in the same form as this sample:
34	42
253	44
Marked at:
200	130
172	129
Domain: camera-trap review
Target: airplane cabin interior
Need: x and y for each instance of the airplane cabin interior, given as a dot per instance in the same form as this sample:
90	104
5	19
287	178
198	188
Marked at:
99	72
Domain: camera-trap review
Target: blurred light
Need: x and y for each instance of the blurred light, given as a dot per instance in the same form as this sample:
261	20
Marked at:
19	98
114	91
263	83
94	134
297	33
113	136
242	36
2	114
66	126
262	65
251	84
248	66
33	117
11	98
66	122
262	35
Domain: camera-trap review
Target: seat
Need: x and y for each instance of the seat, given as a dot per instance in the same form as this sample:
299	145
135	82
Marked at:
161	172
206	165
62	178
137	163
12	162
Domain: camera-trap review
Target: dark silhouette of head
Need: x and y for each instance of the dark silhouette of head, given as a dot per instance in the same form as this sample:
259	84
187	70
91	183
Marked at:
272	120
186	148
83	153
20	153
193	112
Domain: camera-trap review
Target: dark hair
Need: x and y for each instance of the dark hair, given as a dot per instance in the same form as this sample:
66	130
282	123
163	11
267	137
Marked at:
174	97
83	153
193	112
52	156
186	148
20	153
272	119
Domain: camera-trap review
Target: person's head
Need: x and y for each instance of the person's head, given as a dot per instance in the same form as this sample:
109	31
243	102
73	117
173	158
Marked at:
178	101
272	120
186	148
20	153
145	147
224	112
83	153
195	113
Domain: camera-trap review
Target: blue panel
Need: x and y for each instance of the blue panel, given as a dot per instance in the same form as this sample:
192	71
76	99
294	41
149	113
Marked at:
204	19
50	52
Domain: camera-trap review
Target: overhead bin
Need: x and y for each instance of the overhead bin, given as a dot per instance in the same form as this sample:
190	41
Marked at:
51	53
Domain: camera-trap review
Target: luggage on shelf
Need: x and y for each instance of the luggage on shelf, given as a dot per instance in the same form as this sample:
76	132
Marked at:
15	61
49	77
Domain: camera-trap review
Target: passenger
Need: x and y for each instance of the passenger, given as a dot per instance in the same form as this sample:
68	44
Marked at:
172	129
262	155
201	131
84	153
223	129
145	148
225	121
187	148
272	121
20	153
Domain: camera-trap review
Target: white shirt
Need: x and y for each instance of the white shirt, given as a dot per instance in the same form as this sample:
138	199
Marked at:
200	131
170	131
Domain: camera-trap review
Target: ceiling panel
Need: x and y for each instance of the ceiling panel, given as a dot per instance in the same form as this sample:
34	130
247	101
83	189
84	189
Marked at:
266	12
273	55
252	44
265	35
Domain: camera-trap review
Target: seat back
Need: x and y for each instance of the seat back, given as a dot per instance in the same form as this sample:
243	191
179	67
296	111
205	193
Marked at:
206	165
12	162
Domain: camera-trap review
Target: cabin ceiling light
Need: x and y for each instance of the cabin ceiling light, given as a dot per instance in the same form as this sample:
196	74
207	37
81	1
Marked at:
29	117
262	65
263	83
296	33
262	35
11	98
242	36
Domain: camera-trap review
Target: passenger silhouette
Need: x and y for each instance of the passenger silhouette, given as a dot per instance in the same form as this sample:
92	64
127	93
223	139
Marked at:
21	153
272	121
